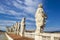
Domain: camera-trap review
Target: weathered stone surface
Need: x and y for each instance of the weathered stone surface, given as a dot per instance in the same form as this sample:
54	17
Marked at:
22	27
40	18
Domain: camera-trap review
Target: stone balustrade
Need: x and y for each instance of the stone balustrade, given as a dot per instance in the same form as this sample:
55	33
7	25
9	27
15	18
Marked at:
30	35
50	36
43	36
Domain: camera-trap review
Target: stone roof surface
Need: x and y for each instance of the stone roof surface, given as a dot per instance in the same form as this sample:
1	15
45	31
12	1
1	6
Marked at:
18	37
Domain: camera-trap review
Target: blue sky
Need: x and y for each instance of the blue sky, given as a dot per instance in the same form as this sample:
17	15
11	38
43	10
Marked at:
52	9
12	11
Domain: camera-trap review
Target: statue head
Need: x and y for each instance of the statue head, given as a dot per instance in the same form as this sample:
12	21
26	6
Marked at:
40	5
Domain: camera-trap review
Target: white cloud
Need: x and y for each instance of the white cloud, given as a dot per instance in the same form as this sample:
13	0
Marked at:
30	8
17	5
8	2
32	19
6	22
11	12
19	1
31	3
2	9
2	28
51	29
30	23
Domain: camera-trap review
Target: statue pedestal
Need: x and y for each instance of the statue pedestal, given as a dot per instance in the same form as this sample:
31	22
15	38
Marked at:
40	22
38	37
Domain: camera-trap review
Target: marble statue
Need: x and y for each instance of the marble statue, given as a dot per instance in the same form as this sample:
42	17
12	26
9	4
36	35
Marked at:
22	27
40	18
